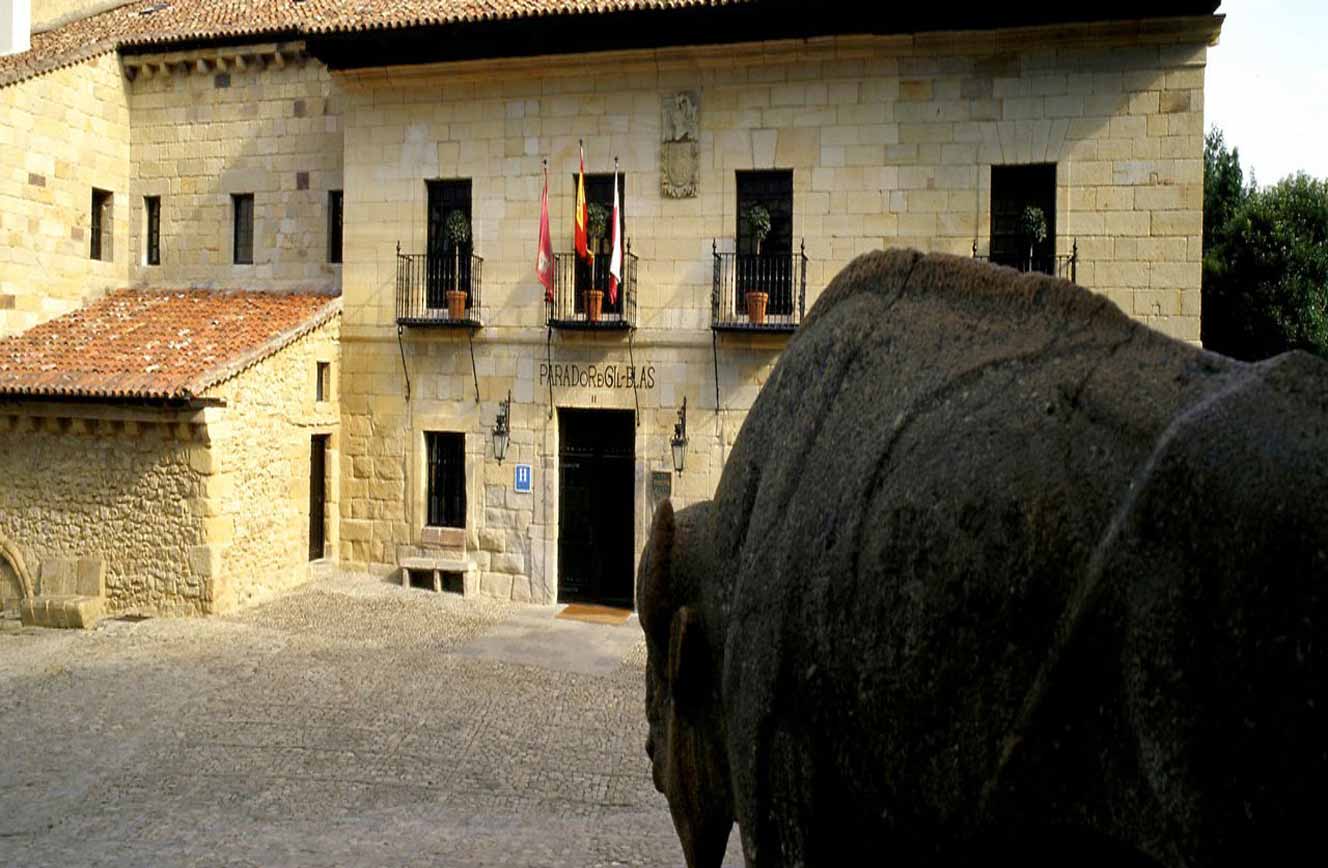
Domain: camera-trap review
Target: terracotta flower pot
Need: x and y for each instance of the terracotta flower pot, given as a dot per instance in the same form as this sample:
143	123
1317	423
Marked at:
456	304
756	302
594	301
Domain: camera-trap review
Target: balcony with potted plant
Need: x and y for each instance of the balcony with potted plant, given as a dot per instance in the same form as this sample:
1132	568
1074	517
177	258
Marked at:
762	290
441	288
582	296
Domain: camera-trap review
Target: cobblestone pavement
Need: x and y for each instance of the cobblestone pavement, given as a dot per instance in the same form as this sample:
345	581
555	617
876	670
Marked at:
349	723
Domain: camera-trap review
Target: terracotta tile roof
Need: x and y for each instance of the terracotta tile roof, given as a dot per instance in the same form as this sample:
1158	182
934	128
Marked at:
162	22
156	344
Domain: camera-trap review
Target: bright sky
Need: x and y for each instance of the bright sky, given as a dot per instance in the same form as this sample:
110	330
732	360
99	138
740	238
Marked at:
1266	86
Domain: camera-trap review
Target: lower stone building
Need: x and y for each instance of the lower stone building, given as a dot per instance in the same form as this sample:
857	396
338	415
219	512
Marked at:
167	452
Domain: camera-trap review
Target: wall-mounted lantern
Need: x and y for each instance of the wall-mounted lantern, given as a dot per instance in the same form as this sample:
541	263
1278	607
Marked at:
679	441
502	432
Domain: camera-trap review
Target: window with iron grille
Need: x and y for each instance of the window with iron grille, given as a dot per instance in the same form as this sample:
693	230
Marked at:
103	241
767	267
448	264
1015	189
334	226
446	475
152	207
244	228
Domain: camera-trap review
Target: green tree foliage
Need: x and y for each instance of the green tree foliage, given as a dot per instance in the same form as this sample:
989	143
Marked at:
1265	267
1224	186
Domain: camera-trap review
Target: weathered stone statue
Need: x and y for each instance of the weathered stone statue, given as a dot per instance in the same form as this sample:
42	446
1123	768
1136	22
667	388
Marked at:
995	572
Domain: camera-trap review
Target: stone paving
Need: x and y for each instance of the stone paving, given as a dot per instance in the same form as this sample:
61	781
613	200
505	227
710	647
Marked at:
348	723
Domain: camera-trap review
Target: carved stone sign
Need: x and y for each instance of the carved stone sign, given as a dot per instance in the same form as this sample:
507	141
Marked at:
598	376
679	152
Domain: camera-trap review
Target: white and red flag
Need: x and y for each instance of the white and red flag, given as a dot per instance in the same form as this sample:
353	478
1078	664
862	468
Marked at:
615	258
544	259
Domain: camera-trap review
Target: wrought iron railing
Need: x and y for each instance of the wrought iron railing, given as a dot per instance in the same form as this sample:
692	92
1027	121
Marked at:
574	279
782	277
424	281
1062	265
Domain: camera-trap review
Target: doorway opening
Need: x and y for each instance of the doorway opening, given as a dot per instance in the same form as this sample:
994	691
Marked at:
317	496
596	507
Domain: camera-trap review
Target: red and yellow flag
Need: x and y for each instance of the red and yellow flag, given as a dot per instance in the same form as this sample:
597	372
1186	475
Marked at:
582	245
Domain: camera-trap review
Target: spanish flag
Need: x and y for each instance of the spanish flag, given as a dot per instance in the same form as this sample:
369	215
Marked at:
582	247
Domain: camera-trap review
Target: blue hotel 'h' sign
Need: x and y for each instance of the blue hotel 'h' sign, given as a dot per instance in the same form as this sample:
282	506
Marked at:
522	482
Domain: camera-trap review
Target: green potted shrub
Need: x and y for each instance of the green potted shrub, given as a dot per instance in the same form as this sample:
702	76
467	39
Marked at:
457	229
757	219
1033	226
597	228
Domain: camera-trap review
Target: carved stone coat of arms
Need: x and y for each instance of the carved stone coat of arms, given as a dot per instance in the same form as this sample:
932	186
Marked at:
679	150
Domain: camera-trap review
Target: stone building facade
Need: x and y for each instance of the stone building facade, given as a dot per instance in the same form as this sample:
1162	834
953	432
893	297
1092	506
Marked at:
167	469
927	130
888	141
63	135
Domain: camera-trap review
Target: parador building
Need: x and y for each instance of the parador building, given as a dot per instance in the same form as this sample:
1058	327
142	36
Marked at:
268	270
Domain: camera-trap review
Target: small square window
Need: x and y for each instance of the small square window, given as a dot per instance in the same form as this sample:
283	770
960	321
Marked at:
333	225
446	477
323	386
103	242
244	227
152	210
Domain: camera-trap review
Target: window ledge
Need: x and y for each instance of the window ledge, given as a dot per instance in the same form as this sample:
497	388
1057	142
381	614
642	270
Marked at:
448	537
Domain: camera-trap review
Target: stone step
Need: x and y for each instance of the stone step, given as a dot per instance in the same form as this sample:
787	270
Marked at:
64	611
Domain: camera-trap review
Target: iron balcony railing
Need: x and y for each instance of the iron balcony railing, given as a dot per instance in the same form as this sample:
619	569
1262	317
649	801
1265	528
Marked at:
1063	265
574	278
782	277
424	281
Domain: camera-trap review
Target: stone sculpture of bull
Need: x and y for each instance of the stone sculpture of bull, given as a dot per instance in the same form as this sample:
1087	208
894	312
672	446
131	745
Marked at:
994	571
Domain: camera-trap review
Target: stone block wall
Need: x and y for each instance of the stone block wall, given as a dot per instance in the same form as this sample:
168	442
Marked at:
512	538
86	484
61	134
256	119
257	515
46	13
891	142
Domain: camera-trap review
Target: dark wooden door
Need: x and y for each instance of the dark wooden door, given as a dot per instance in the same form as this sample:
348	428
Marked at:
317	495
596	523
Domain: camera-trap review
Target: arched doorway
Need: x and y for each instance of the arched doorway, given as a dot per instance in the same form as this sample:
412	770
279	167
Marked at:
15	583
